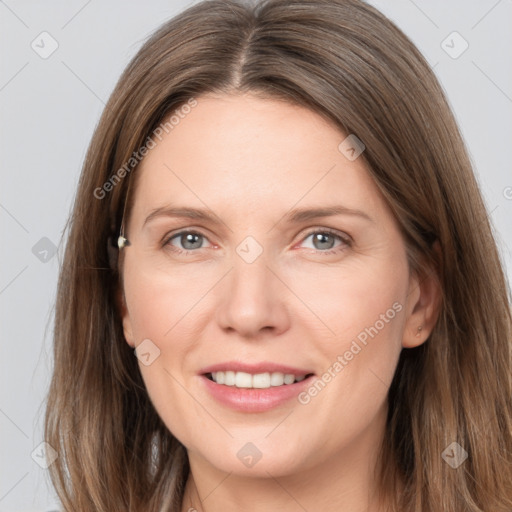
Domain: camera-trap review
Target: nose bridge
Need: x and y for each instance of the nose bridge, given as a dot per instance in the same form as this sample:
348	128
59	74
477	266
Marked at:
250	279
251	300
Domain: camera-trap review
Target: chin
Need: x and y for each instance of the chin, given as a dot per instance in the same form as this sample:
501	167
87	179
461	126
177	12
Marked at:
258	458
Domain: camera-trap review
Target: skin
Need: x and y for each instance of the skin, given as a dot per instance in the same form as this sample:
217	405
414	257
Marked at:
251	161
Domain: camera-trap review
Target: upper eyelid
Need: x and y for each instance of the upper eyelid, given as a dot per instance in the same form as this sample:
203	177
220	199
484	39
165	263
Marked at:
332	231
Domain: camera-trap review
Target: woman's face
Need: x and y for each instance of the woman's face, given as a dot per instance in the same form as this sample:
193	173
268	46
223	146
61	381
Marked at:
294	270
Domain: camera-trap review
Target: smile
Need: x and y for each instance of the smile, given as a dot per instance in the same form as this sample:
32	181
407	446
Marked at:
258	381
254	387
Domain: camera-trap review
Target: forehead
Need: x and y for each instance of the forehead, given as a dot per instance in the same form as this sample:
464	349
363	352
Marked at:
253	153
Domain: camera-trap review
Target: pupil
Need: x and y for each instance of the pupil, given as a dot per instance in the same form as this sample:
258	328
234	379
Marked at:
321	239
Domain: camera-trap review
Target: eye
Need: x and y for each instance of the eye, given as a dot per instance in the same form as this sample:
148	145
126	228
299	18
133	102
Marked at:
324	240
189	241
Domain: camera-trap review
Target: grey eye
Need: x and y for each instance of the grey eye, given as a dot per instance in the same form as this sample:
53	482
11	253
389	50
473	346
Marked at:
191	241
323	240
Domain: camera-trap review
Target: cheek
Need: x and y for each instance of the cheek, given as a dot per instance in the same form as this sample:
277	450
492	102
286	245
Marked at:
364	308
161	308
159	301
353	301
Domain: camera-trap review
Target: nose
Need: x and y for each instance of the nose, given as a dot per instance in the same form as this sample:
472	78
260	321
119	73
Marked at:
252	300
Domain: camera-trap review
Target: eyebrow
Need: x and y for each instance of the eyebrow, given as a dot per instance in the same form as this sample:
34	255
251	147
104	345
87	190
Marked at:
295	216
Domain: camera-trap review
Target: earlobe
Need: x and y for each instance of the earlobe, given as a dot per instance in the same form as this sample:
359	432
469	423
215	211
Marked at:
126	320
127	329
416	338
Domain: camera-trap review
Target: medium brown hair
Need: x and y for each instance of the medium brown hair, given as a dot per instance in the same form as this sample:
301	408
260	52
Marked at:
347	62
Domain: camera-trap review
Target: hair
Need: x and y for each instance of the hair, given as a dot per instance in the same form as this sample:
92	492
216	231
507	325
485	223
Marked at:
347	62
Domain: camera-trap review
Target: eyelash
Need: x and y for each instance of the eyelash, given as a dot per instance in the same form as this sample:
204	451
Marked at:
345	239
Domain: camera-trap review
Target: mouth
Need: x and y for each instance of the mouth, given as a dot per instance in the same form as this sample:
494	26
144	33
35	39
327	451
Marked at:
256	387
265	380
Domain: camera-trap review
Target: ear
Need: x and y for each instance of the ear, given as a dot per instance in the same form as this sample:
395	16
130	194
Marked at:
125	316
423	304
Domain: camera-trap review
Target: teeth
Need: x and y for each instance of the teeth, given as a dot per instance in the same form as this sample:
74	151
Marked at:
243	380
258	381
229	378
261	380
289	379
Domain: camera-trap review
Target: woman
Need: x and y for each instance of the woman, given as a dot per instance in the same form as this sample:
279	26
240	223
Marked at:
278	217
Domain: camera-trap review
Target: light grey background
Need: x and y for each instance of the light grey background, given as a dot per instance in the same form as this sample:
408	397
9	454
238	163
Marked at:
50	106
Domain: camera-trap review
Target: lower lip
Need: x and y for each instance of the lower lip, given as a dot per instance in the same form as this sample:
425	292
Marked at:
254	400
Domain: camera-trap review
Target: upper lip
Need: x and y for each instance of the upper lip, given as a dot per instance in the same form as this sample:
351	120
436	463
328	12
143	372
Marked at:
254	368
